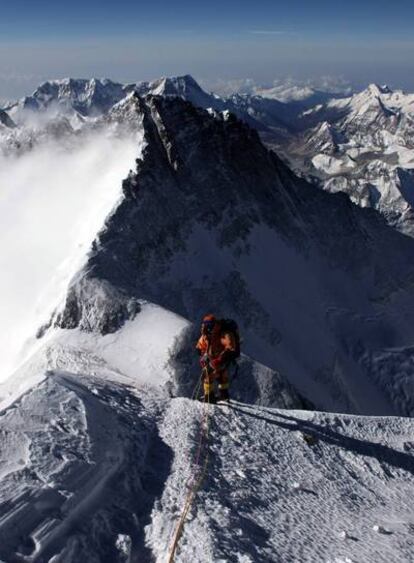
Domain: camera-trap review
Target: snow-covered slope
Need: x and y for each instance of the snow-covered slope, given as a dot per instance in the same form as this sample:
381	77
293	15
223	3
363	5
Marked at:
93	470
269	496
82	461
96	459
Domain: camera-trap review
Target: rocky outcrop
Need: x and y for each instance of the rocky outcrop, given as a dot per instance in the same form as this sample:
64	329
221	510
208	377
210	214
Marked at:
6	121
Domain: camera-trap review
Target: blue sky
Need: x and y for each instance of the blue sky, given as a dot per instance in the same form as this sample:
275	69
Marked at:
363	41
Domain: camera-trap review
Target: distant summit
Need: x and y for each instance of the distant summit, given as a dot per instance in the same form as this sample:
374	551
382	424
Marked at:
87	97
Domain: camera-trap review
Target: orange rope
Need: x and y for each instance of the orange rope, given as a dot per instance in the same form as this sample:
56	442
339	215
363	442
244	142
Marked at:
196	481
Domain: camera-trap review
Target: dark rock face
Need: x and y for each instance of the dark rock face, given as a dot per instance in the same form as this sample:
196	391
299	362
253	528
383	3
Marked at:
6	120
201	176
213	221
216	173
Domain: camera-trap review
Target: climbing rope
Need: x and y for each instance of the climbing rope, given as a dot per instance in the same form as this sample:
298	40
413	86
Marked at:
197	388
197	477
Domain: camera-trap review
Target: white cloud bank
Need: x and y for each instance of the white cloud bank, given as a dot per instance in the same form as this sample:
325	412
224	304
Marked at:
53	201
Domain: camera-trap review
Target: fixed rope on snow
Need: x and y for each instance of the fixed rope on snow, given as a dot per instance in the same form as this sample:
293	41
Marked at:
218	347
197	477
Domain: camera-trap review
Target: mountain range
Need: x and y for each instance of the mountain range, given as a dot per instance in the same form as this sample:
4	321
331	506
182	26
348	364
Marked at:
98	423
359	144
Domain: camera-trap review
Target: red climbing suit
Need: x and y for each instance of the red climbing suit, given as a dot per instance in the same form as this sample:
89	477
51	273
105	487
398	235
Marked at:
216	349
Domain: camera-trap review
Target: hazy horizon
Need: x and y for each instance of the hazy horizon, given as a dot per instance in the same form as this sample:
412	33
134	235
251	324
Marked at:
362	42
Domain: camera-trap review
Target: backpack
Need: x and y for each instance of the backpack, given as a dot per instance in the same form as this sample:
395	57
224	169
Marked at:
230	326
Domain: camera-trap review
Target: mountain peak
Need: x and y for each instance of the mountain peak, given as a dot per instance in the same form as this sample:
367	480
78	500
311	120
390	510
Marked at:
185	87
175	85
376	90
372	101
86	96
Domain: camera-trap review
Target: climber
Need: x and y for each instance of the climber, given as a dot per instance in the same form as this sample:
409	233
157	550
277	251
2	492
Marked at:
218	346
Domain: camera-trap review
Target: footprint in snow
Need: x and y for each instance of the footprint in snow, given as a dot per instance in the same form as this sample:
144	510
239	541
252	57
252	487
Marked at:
344	535
310	439
303	489
381	530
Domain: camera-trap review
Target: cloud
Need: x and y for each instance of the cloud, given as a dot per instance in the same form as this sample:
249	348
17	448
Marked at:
227	87
53	200
283	88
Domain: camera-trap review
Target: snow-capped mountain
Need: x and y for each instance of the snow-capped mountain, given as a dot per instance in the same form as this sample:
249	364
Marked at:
94	97
362	146
212	215
101	440
286	90
184	87
201	164
40	127
62	108
376	116
80	100
86	97
98	471
254	110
